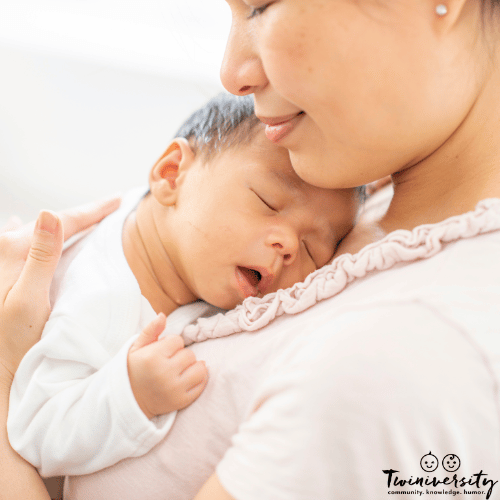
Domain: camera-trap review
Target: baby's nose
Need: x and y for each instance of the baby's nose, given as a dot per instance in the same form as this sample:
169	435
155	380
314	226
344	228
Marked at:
286	242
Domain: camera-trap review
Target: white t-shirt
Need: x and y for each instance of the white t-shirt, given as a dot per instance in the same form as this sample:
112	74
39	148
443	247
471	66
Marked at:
324	402
72	410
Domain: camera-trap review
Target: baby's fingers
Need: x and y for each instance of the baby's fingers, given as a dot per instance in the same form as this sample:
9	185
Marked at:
170	345
183	359
194	375
193	379
150	333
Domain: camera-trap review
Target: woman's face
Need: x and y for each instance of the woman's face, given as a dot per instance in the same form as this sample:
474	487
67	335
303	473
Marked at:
366	88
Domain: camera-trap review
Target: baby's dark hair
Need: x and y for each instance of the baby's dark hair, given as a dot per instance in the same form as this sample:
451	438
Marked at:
225	121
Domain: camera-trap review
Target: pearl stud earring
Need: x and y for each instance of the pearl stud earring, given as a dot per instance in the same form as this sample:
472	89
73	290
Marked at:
441	10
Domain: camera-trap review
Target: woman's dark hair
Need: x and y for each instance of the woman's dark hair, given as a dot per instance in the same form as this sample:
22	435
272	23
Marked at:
225	121
489	7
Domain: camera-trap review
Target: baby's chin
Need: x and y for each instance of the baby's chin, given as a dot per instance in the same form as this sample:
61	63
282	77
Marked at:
226	302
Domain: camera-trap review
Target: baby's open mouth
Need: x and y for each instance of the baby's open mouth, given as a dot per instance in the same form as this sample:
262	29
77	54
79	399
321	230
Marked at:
248	280
253	281
251	275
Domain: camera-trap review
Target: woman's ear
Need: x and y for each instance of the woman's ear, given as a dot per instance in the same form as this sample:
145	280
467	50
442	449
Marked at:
448	13
168	172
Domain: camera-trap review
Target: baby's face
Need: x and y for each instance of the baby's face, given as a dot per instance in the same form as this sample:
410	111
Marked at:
247	225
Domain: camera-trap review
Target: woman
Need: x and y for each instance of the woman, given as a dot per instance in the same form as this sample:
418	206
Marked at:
398	375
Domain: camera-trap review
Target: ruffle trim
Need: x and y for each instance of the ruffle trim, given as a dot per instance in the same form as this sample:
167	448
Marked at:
399	246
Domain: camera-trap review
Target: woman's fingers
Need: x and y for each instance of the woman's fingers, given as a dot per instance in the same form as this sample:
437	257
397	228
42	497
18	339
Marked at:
28	259
80	218
17	242
43	256
44	243
26	306
13	223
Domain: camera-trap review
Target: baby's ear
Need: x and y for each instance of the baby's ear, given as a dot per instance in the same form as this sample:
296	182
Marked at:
168	172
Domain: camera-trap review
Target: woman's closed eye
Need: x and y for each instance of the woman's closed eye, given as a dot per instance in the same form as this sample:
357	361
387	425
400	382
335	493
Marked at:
257	11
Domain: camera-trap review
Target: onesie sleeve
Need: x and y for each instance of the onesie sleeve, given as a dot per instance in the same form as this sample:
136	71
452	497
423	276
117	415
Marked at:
72	410
370	392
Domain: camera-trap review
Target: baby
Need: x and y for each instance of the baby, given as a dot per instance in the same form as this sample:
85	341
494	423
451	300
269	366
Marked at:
225	218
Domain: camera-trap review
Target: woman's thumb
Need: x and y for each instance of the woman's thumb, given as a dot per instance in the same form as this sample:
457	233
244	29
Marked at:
43	257
150	333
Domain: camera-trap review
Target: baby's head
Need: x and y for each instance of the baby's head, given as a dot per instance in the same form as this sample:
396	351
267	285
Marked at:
234	218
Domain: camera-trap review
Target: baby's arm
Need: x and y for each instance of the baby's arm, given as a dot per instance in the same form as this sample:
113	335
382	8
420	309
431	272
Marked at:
72	408
164	376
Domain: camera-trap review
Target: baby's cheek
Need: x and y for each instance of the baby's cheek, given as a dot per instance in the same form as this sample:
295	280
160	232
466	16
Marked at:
302	271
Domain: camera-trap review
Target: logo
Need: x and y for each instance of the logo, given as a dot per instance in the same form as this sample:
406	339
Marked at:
429	462
444	482
451	463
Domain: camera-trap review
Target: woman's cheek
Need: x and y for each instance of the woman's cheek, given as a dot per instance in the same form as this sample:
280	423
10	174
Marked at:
281	47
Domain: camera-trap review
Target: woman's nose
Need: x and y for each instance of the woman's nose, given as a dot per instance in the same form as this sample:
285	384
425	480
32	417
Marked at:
285	242
241	71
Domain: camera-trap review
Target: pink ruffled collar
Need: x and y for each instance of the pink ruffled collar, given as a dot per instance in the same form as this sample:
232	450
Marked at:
399	246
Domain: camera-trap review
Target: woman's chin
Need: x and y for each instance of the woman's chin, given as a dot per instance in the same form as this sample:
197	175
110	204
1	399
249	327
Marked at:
319	169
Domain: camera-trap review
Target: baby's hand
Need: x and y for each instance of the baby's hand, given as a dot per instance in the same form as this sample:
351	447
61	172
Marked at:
163	374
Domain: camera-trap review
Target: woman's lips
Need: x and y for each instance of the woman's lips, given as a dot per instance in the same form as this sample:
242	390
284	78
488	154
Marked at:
279	127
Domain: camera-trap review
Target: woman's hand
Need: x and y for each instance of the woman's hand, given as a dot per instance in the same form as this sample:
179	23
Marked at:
28	259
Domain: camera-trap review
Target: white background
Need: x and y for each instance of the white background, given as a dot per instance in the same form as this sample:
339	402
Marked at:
91	92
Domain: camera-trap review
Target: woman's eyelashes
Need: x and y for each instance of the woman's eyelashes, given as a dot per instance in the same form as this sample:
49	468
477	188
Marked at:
257	11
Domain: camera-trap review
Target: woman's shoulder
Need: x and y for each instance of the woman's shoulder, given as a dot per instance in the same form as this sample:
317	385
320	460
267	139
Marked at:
385	383
401	360
385	337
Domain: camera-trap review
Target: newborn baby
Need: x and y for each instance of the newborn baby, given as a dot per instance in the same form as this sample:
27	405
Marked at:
225	218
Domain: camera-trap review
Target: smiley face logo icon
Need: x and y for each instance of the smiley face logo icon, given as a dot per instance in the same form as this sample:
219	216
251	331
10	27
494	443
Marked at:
429	462
451	463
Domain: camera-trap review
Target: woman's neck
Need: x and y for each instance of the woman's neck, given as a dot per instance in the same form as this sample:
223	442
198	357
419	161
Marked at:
451	181
149	261
462	171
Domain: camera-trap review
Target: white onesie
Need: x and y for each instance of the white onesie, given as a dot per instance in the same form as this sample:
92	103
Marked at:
72	410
